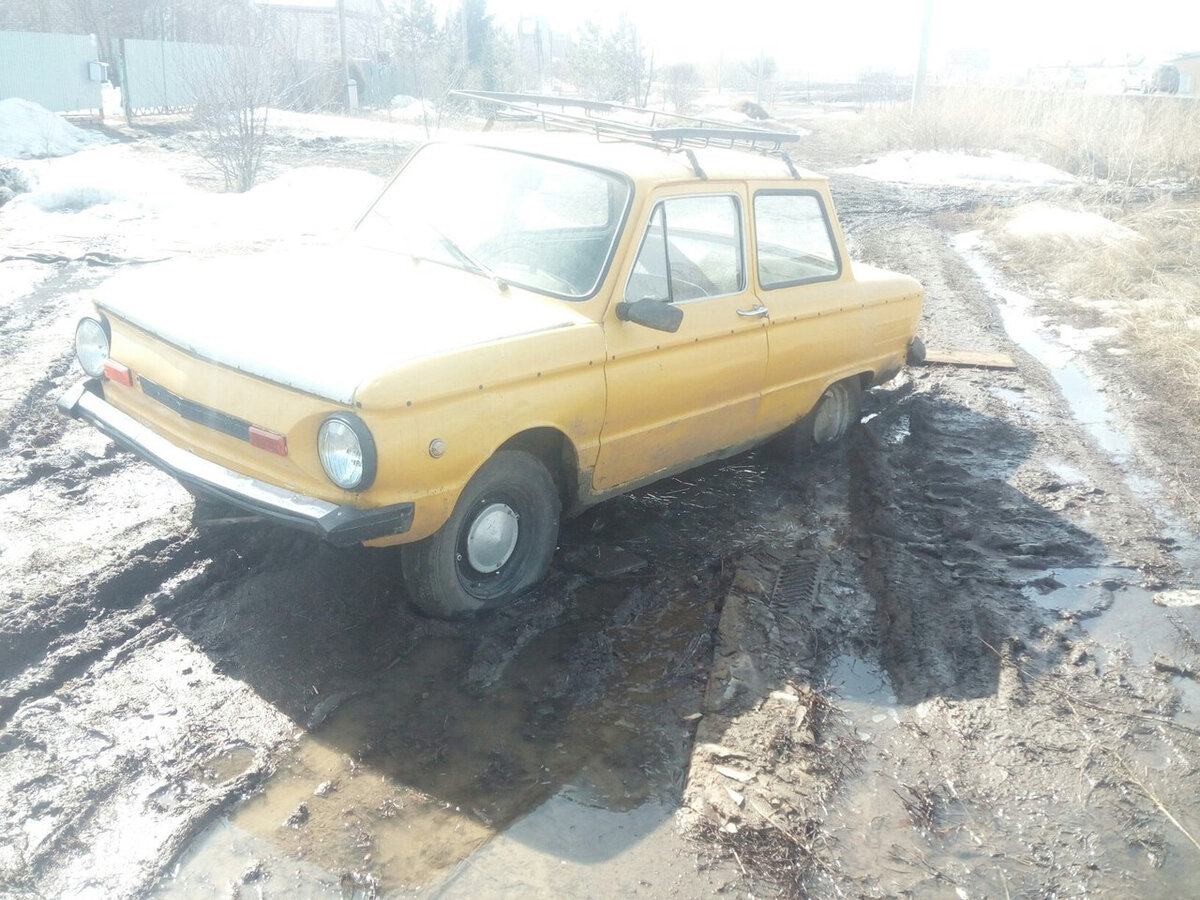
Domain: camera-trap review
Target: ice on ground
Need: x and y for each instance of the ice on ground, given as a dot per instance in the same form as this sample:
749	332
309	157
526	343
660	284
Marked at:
30	131
1042	220
961	169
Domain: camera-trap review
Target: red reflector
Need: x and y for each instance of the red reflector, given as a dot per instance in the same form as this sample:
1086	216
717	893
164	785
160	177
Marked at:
268	440
114	371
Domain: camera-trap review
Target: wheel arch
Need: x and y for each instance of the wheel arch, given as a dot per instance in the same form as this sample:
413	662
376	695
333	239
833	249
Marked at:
556	452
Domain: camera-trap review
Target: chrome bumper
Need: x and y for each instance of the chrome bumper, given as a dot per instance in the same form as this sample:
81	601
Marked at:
340	525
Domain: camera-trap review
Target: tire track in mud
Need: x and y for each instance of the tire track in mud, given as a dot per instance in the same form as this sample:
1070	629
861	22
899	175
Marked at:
51	639
942	535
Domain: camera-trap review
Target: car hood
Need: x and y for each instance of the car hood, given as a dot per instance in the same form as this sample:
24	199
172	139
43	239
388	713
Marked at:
323	319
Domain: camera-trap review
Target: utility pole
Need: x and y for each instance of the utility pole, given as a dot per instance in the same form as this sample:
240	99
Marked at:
923	55
348	94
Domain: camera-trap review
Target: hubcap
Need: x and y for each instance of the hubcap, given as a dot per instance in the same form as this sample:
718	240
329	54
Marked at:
492	538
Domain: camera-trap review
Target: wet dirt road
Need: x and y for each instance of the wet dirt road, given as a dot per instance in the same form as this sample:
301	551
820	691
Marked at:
954	656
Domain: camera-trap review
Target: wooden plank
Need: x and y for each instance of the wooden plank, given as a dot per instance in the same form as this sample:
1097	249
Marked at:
984	359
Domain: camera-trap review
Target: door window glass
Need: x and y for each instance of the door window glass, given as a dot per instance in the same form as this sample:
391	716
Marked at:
692	249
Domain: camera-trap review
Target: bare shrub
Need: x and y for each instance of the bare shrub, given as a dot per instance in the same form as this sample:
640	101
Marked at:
681	85
234	86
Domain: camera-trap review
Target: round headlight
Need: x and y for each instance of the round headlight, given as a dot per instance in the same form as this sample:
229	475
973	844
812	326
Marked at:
91	346
347	452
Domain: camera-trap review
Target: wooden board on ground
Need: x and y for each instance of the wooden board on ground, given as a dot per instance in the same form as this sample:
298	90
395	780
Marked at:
985	359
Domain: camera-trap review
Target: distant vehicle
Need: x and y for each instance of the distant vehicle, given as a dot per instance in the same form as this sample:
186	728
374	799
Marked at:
1162	79
521	325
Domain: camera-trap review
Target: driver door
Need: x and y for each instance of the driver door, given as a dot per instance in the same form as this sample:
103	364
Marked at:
677	399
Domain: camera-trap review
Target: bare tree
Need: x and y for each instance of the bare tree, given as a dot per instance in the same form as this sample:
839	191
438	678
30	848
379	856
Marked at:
608	65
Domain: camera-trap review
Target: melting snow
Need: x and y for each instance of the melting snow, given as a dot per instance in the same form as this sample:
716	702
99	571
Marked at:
961	169
1040	220
120	202
30	131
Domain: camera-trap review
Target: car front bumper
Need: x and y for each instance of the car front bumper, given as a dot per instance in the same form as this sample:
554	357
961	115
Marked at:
338	524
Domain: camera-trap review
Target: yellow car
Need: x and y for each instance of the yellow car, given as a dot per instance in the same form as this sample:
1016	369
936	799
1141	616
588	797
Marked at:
519	327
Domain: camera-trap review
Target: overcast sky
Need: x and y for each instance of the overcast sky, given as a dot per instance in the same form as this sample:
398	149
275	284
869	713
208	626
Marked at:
829	39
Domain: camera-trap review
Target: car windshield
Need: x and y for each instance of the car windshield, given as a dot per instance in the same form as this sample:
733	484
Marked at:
534	222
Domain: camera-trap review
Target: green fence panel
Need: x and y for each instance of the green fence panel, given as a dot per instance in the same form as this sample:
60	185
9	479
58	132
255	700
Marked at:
50	69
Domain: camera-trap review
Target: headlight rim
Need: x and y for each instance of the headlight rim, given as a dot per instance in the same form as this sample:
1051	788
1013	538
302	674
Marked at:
106	331
366	444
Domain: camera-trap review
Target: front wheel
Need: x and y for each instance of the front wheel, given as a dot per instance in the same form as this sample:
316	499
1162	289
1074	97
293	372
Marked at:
496	544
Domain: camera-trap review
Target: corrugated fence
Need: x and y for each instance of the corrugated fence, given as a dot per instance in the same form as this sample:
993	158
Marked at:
160	76
50	69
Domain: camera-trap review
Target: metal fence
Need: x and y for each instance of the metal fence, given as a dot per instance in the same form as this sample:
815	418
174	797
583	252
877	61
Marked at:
160	76
163	76
50	69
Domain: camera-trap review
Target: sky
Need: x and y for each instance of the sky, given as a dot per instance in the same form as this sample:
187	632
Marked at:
830	39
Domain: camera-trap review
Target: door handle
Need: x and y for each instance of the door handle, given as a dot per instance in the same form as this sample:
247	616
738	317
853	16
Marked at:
755	312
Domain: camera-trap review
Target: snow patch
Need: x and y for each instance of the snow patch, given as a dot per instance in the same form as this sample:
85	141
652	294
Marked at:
960	169
1041	220
409	109
116	203
333	126
105	177
30	131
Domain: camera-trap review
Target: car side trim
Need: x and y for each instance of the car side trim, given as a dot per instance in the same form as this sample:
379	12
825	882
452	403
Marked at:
338	524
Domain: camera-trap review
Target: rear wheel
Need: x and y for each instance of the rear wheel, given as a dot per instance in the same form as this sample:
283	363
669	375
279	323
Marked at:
496	544
836	411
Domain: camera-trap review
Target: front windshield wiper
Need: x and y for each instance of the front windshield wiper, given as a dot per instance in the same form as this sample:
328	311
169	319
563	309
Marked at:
465	256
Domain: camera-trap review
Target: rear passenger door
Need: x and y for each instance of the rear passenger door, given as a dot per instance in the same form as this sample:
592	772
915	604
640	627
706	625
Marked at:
674	399
815	307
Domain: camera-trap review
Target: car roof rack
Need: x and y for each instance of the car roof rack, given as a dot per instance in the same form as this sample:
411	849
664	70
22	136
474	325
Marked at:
602	118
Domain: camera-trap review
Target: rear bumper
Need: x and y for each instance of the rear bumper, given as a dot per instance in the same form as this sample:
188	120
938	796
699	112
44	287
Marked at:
340	525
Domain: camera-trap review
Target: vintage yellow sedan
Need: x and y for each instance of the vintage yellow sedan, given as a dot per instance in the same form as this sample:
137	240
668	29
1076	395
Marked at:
521	326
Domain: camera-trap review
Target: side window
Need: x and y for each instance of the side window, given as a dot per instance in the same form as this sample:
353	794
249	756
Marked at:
795	243
692	249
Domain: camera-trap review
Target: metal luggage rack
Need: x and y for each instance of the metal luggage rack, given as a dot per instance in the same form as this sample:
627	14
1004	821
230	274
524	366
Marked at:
599	117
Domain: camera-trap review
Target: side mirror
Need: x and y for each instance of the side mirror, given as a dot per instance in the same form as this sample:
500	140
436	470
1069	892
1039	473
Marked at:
656	314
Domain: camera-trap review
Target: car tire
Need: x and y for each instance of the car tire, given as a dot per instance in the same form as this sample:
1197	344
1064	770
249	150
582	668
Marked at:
916	352
838	407
497	543
835	412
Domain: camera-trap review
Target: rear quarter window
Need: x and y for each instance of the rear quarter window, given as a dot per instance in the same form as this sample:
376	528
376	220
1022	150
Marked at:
794	239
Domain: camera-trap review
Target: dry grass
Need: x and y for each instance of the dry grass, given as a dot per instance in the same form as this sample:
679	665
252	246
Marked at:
1149	285
1121	141
1138	158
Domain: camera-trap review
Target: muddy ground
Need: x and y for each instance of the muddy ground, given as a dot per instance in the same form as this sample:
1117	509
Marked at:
954	656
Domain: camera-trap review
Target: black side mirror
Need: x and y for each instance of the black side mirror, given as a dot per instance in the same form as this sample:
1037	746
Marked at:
657	314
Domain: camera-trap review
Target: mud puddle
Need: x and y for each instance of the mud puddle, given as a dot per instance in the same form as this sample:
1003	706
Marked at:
574	749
